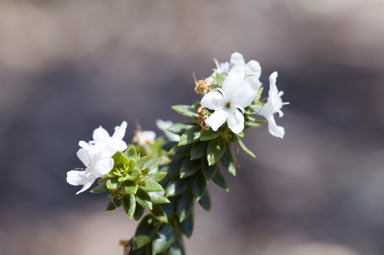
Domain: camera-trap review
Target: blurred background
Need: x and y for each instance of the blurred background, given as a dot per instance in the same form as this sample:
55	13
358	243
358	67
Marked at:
68	66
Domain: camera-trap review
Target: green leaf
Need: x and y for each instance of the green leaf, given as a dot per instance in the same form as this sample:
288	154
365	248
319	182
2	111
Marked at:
111	184
173	167
129	205
138	212
159	214
176	249
179	128
149	185
187	225
228	161
208	171
141	161
184	205
185	110
169	209
144	232
100	188
164	239
144	199
152	164
120	159
189	167
205	200
198	185
244	148
198	150
215	151
131	152
133	174
190	136
207	135
176	187
130	187
158	176
113	204
180	151
220	79
158	198
220	181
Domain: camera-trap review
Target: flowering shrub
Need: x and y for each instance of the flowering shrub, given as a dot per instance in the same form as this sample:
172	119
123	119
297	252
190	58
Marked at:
167	176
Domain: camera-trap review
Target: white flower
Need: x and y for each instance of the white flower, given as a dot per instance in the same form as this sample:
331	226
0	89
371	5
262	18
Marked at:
252	68
97	155
273	105
228	104
144	137
163	125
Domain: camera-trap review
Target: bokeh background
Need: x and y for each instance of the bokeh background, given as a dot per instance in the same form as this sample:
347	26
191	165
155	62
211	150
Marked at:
68	66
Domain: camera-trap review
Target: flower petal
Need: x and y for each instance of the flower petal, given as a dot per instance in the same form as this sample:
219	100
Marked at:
237	59
253	68
213	100
237	89
274	129
75	177
236	121
100	135
83	155
102	167
87	185
120	131
217	119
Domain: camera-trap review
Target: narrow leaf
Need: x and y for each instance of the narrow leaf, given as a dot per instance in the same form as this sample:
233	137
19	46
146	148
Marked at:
164	239
205	201
129	205
198	185
198	150
220	181
207	135
244	148
184	205
187	225
185	110
144	199
149	185
208	171
158	198
189	167
215	151
176	187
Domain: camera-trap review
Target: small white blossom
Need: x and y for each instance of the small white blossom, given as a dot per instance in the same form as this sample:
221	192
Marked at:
97	155
252	68
163	125
228	104
144	137
273	105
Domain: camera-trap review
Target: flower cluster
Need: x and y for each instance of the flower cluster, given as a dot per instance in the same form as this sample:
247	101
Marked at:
96	155
241	84
168	176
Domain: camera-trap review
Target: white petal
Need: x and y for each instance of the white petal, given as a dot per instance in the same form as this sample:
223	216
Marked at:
100	135
213	100
83	144
217	119
274	129
118	145
120	130
236	121
75	177
237	59
102	167
83	155
87	185
238	90
253	68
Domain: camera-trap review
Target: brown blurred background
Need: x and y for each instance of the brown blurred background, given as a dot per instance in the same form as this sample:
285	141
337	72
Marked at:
68	66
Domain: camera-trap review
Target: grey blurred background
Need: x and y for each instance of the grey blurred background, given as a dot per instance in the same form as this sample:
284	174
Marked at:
68	66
